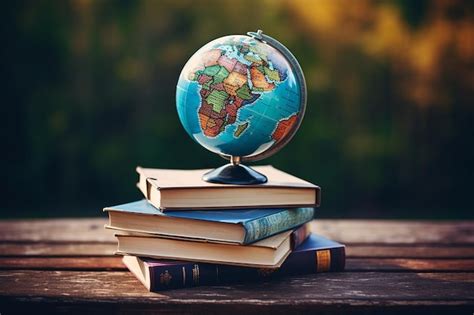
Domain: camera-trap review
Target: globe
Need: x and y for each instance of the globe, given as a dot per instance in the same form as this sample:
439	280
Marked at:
242	97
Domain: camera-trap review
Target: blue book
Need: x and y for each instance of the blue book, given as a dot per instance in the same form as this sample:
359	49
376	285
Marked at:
242	226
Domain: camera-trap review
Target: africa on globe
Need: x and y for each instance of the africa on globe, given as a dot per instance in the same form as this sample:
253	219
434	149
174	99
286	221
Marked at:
242	97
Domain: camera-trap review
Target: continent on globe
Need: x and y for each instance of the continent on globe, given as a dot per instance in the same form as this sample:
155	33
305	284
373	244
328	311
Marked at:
227	84
283	127
240	129
234	81
259	81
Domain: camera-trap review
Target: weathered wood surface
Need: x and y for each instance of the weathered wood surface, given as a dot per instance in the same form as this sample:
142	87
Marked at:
352	264
397	231
67	265
375	290
119	285
347	231
57	249
94	249
56	230
108	249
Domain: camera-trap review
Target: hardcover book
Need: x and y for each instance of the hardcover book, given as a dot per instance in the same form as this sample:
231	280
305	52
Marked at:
242	226
269	253
184	189
316	254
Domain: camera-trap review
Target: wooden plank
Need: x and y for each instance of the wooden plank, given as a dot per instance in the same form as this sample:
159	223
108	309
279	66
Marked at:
410	251
397	231
347	231
352	264
56	230
112	285
57	249
106	249
416	265
392	267
62	263
330	291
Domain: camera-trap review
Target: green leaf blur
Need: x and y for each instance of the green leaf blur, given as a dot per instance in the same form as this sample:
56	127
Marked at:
89	93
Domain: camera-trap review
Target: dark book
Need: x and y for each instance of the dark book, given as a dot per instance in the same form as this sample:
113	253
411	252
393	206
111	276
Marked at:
316	254
242	226
184	190
268	253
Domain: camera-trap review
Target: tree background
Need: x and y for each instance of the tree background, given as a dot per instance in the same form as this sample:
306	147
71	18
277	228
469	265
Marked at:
89	93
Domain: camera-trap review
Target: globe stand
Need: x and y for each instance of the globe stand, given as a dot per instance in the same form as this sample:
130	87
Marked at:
234	173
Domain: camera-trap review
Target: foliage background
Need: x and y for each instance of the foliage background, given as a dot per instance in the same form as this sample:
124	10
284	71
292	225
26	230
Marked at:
88	94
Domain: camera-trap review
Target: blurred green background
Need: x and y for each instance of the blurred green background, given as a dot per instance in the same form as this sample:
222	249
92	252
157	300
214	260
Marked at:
89	94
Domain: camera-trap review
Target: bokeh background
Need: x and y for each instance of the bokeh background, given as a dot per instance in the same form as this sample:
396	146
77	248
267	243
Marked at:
88	93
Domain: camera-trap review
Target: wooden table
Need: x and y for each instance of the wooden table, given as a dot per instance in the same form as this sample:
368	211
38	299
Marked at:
67	265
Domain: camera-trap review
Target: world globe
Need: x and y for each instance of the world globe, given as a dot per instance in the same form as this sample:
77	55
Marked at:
242	97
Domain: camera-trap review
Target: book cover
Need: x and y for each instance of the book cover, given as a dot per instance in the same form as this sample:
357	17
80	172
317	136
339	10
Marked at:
316	254
170	189
219	225
267	253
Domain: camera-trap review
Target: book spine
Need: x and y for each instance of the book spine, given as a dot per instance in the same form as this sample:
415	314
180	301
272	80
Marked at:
196	274
183	275
318	197
314	261
282	221
299	235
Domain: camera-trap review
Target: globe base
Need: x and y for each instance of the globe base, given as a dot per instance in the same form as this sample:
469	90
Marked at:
236	174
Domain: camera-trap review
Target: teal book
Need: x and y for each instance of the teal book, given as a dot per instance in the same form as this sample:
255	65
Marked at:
241	226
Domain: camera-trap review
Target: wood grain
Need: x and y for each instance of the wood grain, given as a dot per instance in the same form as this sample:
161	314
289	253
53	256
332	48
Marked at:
68	266
106	249
397	231
62	263
56	230
352	264
57	249
346	231
415	265
409	251
117	285
421	291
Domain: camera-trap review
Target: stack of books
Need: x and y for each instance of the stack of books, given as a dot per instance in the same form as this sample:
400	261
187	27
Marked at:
187	232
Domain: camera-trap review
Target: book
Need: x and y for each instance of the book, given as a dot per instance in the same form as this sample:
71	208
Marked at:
242	226
269	253
184	189
316	254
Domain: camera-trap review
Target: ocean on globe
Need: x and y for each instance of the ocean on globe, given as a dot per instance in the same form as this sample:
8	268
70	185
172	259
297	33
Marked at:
238	96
